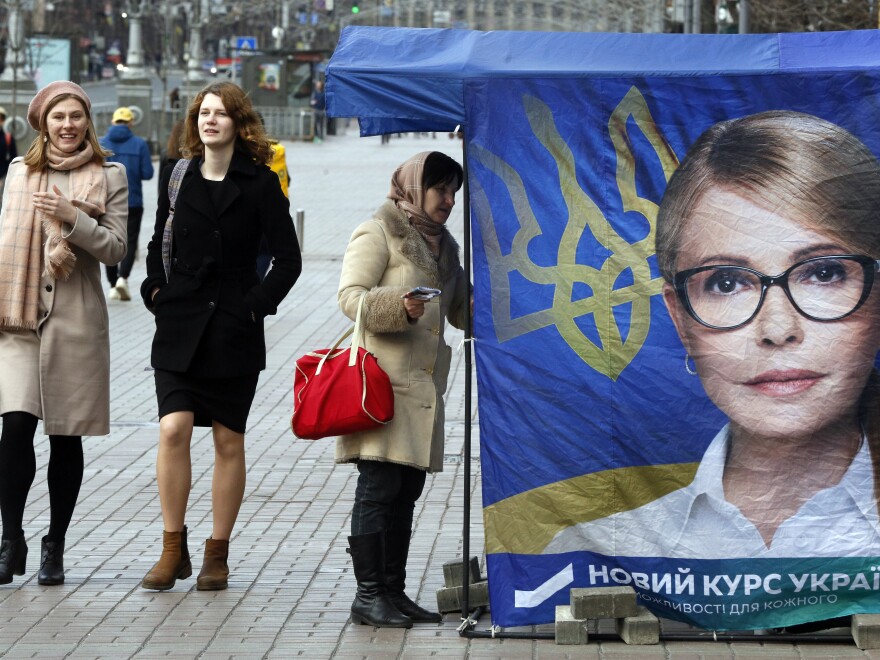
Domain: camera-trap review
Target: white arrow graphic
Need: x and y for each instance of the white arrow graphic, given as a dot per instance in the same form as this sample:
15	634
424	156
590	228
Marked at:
537	596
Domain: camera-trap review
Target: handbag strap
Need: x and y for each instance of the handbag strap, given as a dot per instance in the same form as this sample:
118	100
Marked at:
167	233
356	334
357	337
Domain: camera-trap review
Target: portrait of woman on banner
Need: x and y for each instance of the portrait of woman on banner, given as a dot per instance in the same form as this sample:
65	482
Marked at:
768	239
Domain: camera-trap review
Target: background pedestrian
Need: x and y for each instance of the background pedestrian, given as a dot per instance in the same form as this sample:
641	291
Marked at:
318	102
133	152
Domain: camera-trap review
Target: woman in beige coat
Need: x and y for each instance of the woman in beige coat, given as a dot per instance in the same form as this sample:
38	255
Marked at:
405	245
64	213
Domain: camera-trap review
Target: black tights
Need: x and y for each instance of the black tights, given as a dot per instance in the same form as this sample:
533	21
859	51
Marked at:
18	467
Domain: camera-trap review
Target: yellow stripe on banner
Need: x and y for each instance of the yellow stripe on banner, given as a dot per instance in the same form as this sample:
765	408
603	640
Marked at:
527	522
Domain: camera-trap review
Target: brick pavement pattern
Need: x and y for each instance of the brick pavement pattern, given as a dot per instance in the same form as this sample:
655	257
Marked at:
291	582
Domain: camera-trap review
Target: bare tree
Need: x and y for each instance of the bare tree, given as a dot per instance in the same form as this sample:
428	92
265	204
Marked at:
811	15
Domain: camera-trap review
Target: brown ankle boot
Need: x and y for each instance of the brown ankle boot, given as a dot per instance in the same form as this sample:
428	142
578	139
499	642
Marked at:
215	571
174	564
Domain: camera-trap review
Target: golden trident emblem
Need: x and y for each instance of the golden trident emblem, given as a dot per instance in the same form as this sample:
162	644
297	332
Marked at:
614	353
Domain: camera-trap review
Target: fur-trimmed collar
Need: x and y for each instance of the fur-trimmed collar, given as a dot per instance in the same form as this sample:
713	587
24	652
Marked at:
416	249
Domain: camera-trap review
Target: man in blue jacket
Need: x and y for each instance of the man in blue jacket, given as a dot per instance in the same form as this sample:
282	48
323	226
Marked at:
133	152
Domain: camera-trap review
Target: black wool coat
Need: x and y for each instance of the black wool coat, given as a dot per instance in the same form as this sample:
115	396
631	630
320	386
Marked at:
209	314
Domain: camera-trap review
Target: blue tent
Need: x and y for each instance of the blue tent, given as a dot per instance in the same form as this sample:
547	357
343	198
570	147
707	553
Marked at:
598	443
412	79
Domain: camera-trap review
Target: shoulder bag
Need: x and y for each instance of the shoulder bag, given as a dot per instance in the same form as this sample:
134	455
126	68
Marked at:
337	391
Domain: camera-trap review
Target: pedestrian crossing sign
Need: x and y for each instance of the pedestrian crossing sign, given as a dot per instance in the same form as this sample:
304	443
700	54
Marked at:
245	43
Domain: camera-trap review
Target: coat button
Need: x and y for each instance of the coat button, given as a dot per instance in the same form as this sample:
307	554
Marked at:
216	234
430	371
48	287
211	305
436	331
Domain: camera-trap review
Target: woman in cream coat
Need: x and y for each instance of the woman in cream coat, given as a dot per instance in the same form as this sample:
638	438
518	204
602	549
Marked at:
64	213
403	246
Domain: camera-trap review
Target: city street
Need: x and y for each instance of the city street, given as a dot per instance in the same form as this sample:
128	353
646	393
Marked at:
291	582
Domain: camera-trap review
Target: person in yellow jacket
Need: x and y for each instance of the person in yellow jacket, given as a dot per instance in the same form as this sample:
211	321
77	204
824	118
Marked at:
277	164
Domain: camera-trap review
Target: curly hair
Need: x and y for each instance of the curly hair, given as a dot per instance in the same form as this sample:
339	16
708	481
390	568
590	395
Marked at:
251	138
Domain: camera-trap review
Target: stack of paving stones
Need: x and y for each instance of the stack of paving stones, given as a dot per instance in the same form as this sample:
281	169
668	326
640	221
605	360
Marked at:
634	624
449	598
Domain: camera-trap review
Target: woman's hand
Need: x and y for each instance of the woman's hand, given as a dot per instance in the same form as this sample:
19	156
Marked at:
55	205
414	308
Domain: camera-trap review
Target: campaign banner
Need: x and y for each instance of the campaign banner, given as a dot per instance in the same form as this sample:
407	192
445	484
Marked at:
676	335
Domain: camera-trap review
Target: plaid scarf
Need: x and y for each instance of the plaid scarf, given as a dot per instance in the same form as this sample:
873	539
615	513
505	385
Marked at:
409	196
22	251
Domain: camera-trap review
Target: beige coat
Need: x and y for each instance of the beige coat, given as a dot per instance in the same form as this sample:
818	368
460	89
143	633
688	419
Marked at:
61	371
385	258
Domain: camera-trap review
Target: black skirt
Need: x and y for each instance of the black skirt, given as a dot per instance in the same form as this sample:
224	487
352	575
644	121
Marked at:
224	400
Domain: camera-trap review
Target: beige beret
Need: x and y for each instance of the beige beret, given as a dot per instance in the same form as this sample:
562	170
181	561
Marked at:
49	92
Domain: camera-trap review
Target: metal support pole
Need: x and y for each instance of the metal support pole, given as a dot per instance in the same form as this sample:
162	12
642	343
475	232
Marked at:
300	228
743	16
697	17
468	368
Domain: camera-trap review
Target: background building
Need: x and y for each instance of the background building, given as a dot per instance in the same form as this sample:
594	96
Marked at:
99	32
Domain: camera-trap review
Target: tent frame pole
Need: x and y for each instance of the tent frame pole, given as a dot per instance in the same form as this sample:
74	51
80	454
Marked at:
468	369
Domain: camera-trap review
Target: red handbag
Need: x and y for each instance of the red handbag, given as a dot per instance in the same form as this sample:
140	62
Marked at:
340	390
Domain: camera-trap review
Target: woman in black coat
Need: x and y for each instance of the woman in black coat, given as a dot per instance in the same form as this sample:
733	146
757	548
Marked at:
209	304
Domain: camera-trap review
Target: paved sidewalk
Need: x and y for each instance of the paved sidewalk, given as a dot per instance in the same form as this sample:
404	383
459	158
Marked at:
291	582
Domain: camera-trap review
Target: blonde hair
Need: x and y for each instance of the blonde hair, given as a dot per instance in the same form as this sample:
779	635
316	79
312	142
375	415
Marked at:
37	156
250	139
813	171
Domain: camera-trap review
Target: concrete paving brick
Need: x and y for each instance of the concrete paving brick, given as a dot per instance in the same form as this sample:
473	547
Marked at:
643	628
866	630
569	631
603	602
828	651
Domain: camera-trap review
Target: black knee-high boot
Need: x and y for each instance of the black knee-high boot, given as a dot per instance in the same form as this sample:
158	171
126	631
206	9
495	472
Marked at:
371	605
396	554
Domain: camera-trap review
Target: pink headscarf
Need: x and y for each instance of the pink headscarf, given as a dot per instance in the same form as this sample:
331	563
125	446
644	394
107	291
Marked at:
408	195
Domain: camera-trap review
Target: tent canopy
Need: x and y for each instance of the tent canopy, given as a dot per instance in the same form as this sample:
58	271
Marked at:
412	79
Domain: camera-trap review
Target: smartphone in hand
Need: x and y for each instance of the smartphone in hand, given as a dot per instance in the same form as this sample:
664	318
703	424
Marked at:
421	293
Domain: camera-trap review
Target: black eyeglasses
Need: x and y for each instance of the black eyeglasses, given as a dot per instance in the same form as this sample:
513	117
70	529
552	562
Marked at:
820	289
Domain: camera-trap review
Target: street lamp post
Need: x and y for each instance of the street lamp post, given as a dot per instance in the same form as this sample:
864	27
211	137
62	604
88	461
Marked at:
15	81
194	63
14	70
135	58
135	90
195	78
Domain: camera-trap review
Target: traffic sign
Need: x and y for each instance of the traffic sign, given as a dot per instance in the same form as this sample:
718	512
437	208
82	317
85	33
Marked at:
246	43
